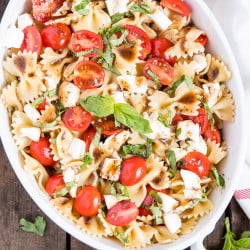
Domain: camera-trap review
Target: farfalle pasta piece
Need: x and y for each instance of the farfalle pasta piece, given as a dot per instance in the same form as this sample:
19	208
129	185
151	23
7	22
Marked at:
9	97
225	107
218	71
34	167
188	225
216	152
164	236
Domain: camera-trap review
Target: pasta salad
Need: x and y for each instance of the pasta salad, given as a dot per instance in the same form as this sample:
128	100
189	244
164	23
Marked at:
117	109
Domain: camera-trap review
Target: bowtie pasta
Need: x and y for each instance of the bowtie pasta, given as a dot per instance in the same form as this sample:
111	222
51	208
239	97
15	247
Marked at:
117	108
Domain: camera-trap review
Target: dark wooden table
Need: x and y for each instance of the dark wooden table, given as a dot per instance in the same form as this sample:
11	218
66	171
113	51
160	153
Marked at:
15	204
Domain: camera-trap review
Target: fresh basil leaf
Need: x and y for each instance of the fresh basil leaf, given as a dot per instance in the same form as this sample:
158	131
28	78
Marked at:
218	177
80	8
87	159
188	81
128	116
154	77
155	196
118	41
157	213
209	112
101	106
142	8
122	237
86	52
178	132
97	136
38	101
134	149
172	161
117	17
37	227
123	190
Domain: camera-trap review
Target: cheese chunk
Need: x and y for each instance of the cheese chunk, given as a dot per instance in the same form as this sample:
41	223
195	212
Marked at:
172	221
212	93
116	6
68	94
24	20
118	97
160	19
77	148
13	37
31	112
188	130
168	203
191	180
32	133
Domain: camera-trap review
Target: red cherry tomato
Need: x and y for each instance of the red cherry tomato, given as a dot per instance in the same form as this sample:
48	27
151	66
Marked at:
83	40
160	68
88	75
212	134
133	170
42	105
159	45
136	33
77	119
43	9
177	6
197	162
122	213
88	137
32	40
201	119
202	39
56	36
41	151
108	127
54	184
144	211
88	201
177	118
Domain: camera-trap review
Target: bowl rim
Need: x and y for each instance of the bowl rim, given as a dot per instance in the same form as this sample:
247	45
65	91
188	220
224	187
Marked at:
28	181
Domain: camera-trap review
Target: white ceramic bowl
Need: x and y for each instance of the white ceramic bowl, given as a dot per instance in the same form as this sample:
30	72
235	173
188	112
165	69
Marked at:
234	135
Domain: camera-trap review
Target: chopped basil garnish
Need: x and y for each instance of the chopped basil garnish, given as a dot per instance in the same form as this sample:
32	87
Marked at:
218	177
87	159
140	7
188	81
37	227
119	191
209	113
122	237
97	136
154	77
119	16
80	8
118	41
39	100
168	122
178	132
157	213
172	161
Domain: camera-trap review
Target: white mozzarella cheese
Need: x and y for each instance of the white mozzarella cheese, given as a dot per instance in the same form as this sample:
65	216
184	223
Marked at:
69	175
201	62
118	97
117	6
77	148
188	130
110	200
51	82
191	194
13	37
172	221
159	130
168	202
31	112
199	145
133	84
32	133
116	141
212	93
68	94
191	180
24	20
160	19
179	153
110	169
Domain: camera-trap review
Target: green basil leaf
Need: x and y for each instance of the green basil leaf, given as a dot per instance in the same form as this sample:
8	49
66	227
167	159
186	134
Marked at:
101	106
188	81
172	161
118	41
128	116
218	177
122	237
157	213
80	8
209	112
178	132
142	8
38	227
134	149
87	159
154	77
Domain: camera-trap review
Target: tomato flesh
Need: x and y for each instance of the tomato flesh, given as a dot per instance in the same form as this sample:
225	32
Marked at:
32	40
88	75
42	105
160	68
41	151
77	119
159	45
197	162
88	137
122	213
43	9
54	184
88	201
108	127
202	39
212	134
56	36
136	33
133	170
177	6
83	40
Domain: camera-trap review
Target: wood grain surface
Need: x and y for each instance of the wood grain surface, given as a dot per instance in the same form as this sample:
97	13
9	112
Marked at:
15	204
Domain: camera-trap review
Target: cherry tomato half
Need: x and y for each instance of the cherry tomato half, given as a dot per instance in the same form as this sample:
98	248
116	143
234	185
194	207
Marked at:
202	39
197	162
88	137
136	33
77	119
122	213
32	40
88	201
177	6
108	127
88	75
43	9
212	134
133	170
149	199
42	105
41	151
160	68
83	40
159	45
177	118
54	184
56	36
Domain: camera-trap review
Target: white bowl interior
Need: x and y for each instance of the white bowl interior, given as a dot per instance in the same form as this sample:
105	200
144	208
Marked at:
233	132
